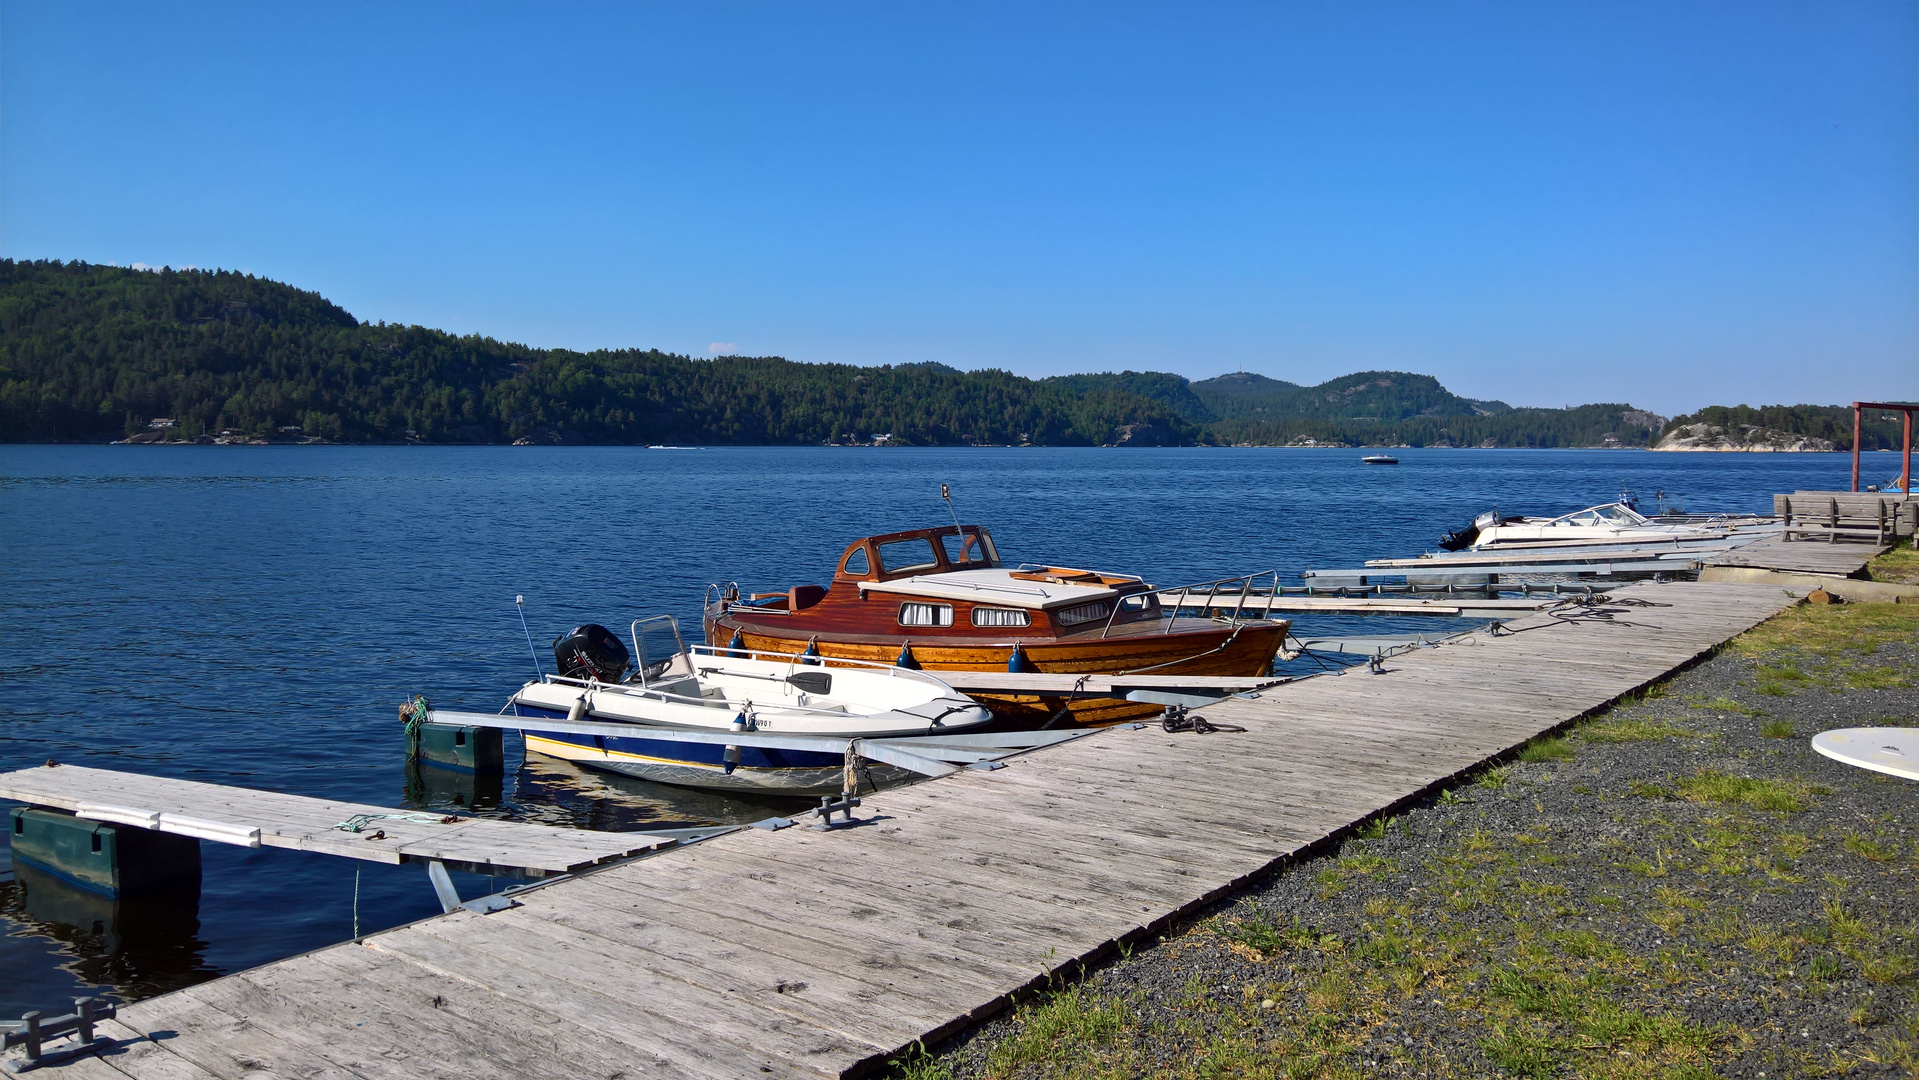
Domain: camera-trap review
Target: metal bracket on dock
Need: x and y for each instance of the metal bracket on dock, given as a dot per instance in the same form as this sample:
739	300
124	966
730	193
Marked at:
33	1030
450	897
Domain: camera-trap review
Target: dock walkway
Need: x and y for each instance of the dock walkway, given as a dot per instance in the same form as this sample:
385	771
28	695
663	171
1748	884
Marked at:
253	818
1801	556
806	954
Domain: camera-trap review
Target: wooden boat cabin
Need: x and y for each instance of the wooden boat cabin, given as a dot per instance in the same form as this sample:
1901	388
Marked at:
940	598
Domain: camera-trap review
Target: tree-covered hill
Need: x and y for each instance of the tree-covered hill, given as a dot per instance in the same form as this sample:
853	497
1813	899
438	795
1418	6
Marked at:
94	353
90	353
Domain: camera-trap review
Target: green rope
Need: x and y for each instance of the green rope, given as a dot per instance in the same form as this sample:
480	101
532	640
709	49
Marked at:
413	714
359	822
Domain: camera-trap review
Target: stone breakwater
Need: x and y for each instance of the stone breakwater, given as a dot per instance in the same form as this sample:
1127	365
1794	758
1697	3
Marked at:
1749	438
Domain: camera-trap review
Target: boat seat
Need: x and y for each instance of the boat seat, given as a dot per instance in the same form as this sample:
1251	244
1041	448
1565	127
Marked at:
801	597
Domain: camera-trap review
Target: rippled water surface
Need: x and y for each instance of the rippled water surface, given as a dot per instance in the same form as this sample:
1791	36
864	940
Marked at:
253	616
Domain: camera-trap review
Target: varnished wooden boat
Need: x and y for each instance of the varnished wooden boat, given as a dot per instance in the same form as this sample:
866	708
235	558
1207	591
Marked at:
939	599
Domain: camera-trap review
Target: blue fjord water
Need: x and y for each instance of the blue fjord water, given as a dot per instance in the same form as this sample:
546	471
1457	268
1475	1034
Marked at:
253	616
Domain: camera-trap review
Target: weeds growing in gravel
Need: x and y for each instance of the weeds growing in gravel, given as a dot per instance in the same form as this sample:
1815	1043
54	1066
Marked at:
1547	748
1776	729
1620	729
1712	786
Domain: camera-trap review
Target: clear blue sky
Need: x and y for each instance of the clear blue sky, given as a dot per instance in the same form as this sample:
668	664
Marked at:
1671	204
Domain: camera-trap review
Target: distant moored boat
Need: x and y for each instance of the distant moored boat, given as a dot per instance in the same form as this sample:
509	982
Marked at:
1380	459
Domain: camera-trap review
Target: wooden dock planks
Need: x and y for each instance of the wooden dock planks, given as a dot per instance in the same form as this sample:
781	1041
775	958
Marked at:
1802	556
802	953
308	824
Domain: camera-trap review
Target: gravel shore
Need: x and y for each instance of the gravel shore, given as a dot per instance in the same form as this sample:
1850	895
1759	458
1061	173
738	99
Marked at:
1678	887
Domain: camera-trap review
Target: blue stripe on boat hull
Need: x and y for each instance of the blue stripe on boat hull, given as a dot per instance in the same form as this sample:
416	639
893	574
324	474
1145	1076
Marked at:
701	765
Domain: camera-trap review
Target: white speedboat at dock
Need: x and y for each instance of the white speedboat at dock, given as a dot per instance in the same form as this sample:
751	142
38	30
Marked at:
704	689
1611	523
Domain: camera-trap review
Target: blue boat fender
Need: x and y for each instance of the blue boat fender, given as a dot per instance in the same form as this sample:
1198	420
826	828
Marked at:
737	646
812	653
906	659
1018	661
732	759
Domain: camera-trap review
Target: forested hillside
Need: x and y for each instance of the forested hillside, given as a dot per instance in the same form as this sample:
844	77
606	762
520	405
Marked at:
91	353
96	353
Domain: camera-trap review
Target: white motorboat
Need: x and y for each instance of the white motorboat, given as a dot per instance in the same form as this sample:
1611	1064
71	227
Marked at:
1612	523
708	689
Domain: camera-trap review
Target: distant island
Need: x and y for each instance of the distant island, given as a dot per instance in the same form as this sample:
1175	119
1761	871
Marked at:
92	353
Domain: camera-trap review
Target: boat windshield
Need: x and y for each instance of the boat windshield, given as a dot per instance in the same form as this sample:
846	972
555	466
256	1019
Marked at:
1610	514
971	551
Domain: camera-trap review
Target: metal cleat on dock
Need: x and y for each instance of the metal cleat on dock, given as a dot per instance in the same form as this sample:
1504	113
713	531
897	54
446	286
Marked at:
830	806
33	1031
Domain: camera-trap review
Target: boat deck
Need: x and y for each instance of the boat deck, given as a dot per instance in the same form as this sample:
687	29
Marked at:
815	954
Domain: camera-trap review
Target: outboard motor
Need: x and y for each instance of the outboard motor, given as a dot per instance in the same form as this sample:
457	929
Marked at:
1461	539
591	651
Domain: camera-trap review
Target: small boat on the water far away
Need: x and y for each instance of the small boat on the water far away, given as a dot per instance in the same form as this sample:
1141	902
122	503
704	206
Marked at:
1380	459
940	599
702	689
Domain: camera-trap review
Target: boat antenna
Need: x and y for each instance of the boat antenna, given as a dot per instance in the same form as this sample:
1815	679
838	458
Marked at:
519	602
948	496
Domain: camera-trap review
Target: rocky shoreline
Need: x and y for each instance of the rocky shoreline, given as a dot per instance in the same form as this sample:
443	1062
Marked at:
1678	887
1742	438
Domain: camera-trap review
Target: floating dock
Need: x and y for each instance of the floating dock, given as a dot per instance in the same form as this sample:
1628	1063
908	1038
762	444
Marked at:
247	817
804	953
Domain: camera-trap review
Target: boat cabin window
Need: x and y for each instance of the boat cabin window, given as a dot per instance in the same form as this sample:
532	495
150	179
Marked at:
856	563
968	551
1138	604
926	614
1084	613
999	616
899	556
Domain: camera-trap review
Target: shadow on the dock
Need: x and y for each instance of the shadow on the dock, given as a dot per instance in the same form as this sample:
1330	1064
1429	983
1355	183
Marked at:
140	946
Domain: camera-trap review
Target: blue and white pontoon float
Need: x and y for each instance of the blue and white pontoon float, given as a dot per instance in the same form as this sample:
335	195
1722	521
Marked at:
721	719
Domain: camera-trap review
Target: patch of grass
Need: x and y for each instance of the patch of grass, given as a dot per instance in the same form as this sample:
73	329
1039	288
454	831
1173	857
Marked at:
1547	748
1829	630
1373	830
1494	778
1870	849
1648	790
1899	566
1623	730
1784	796
1878	678
1722	703
1264	934
1062	1029
1523	1053
1776	729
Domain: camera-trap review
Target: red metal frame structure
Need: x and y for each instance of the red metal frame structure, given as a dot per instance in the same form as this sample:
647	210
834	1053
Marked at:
1858	418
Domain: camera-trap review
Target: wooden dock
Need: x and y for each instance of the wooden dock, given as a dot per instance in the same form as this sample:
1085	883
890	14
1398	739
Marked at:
252	818
1801	556
818	954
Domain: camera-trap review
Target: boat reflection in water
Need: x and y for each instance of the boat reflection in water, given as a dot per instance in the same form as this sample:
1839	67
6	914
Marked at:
136	946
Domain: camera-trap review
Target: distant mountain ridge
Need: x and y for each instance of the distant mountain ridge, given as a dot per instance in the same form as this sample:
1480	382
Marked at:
96	353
